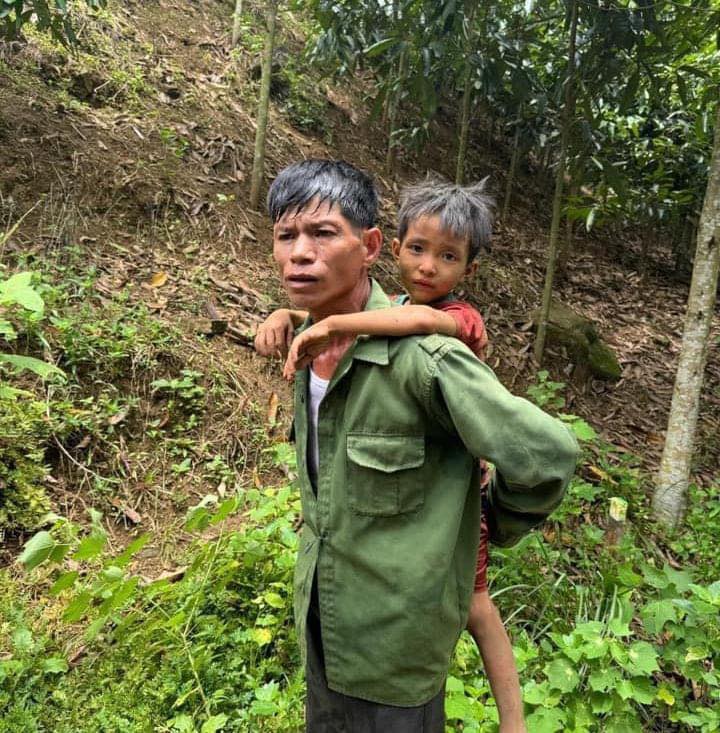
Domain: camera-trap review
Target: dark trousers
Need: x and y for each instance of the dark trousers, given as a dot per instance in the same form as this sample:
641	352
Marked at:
327	711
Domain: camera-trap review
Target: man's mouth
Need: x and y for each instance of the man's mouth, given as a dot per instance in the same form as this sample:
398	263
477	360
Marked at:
300	280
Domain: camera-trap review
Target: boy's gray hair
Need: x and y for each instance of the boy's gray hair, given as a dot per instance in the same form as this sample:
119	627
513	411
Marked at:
466	211
325	181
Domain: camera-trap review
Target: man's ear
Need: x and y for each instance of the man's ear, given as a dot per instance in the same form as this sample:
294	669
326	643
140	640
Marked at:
471	269
372	240
395	247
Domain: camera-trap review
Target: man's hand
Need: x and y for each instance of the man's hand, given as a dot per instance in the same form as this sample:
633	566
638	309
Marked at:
309	344
275	334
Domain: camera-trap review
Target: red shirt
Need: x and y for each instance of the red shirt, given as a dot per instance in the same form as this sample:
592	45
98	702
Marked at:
470	324
471	331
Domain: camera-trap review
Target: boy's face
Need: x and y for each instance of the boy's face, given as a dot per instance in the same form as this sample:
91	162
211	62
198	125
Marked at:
432	260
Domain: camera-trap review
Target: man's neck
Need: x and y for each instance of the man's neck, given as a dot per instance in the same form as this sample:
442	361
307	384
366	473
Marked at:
352	302
325	364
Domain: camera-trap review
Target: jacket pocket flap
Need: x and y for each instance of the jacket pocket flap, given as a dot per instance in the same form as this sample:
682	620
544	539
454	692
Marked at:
386	453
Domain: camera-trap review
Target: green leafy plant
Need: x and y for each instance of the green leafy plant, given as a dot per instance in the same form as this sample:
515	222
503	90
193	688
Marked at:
20	302
52	16
546	393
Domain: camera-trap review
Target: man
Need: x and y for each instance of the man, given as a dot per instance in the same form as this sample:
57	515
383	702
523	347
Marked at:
387	433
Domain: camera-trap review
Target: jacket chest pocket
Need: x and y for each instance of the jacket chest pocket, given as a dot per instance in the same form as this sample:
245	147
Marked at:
383	476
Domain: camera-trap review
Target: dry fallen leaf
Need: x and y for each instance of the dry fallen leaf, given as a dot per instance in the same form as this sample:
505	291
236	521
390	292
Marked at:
272	412
158	279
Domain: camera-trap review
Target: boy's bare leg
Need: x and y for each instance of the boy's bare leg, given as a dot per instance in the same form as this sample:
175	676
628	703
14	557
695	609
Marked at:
488	630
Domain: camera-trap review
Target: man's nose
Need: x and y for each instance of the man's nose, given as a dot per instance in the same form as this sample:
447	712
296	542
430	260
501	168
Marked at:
303	249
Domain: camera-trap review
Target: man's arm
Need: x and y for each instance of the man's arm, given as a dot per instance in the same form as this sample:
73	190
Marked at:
275	334
405	321
534	454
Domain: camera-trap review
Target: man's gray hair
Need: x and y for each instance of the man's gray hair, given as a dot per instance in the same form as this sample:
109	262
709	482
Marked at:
325	181
466	211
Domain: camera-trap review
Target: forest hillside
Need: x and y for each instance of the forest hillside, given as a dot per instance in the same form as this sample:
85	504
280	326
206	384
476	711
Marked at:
147	507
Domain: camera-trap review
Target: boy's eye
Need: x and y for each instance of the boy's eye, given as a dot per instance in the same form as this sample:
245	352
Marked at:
415	248
449	257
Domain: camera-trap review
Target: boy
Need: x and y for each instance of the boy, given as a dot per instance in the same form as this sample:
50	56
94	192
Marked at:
442	227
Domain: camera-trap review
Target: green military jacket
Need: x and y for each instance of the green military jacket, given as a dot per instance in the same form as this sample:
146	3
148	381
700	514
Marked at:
393	531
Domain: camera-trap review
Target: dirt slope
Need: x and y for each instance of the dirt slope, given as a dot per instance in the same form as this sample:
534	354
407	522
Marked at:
137	151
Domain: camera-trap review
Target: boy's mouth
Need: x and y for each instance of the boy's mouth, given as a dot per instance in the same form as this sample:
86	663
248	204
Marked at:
423	283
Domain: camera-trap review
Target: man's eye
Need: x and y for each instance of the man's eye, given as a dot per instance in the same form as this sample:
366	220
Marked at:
325	233
284	236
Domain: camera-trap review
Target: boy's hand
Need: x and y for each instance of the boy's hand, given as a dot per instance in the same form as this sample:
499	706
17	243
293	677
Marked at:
275	334
309	344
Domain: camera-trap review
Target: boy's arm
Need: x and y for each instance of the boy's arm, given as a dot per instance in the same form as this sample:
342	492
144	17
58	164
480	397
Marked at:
402	321
275	334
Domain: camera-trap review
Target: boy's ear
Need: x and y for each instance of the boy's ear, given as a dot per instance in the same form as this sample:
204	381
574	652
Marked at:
395	247
471	269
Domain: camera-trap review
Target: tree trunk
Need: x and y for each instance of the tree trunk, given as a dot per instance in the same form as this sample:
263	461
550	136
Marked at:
464	126
263	105
674	474
559	180
511	175
567	243
236	22
393	115
469	11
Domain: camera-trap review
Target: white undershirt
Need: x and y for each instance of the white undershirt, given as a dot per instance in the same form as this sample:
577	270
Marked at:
316	391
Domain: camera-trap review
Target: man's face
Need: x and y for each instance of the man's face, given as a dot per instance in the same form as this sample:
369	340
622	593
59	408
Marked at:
323	258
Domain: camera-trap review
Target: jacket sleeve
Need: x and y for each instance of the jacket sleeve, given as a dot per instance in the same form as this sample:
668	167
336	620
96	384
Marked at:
534	454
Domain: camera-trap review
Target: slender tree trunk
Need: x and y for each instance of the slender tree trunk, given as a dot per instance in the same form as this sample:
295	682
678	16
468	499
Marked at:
237	15
464	126
393	115
566	245
674	474
263	105
467	94
511	174
557	198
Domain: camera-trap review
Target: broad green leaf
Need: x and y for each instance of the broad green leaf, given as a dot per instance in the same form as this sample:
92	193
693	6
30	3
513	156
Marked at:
453	684
458	707
7	331
546	720
601	702
55	665
696	653
225	509
64	581
37	549
132	549
22	640
261	636
90	547
562	675
656	614
642	658
604	679
28	363
274	599
665	694
77	607
214	723
17	289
